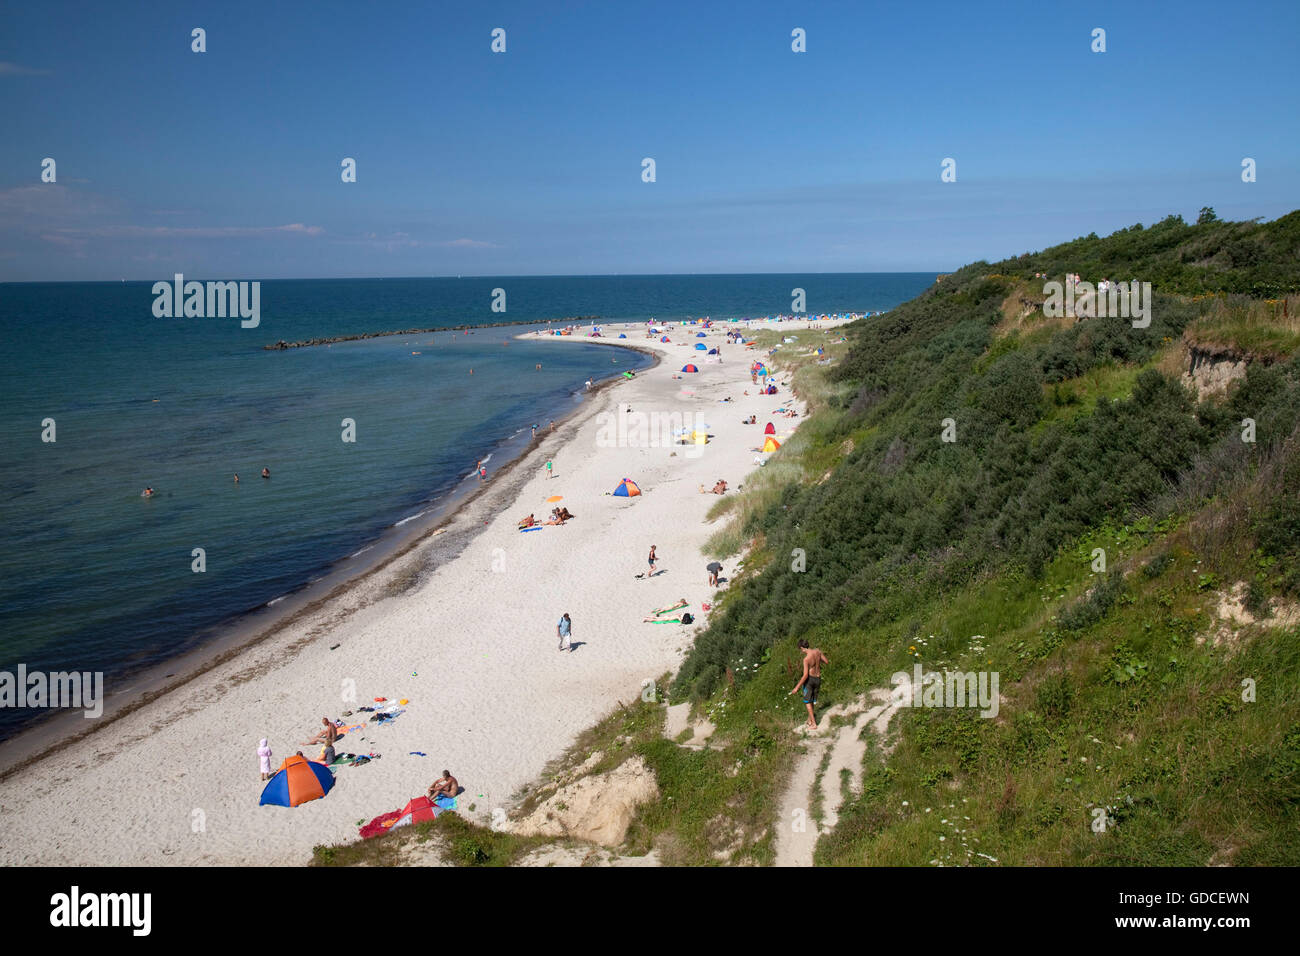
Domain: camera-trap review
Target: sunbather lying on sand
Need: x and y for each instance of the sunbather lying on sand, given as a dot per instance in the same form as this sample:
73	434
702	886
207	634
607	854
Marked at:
681	603
528	522
720	488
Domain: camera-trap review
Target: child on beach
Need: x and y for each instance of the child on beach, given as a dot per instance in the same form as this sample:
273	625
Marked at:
264	759
652	559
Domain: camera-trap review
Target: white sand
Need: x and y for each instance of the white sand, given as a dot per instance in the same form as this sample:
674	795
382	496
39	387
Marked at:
176	781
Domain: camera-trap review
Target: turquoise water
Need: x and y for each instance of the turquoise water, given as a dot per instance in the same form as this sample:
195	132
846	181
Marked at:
95	577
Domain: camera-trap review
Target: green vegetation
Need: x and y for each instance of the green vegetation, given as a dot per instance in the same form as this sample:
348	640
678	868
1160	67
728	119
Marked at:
1122	689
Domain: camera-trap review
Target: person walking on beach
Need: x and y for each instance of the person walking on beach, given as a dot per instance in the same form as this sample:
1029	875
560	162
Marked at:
482	472
550	471
534	431
652	559
264	759
811	681
564	630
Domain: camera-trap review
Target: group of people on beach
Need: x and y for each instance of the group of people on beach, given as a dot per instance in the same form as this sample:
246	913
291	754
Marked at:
558	517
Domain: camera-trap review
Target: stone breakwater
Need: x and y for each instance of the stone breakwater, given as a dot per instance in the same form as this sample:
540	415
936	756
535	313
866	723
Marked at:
307	343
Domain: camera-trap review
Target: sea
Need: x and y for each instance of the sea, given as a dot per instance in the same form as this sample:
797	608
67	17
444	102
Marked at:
100	398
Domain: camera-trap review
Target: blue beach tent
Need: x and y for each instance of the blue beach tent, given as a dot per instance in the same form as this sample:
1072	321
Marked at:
297	781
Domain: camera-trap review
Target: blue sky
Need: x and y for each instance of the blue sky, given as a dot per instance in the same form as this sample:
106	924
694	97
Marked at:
226	164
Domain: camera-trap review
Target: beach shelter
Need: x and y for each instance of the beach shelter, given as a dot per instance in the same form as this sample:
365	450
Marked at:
771	444
622	335
711	351
770	429
627	488
699	335
689	368
297	781
417	811
700	346
664	339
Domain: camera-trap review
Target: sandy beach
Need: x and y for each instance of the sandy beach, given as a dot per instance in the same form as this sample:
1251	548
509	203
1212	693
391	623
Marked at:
462	626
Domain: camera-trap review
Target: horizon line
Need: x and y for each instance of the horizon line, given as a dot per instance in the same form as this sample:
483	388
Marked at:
538	275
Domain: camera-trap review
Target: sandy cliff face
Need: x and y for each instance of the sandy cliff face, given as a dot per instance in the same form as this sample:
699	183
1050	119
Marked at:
597	808
1210	371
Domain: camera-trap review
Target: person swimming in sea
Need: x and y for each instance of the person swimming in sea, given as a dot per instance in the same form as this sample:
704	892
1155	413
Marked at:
147	493
266	472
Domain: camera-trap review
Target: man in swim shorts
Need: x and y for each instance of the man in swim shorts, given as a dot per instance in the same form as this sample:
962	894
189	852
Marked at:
328	735
811	681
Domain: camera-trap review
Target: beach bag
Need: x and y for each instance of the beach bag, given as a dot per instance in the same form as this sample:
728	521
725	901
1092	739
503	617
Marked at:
688	618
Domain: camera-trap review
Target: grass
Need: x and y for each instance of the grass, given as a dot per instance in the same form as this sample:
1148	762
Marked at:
805	454
1124	711
1259	329
1068	400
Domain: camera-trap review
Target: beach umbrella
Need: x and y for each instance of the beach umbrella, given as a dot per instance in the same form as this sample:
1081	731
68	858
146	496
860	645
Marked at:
700	346
689	368
297	781
627	488
770	429
554	498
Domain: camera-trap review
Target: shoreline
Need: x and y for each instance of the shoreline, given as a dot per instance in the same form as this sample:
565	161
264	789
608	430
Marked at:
227	639
429	604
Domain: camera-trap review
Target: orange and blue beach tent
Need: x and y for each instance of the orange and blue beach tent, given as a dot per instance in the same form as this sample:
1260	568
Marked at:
627	488
689	368
297	781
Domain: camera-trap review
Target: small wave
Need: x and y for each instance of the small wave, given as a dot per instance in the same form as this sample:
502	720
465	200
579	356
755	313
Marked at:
362	551
411	518
276	601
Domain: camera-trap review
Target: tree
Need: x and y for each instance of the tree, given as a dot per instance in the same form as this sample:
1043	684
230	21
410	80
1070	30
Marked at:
1207	215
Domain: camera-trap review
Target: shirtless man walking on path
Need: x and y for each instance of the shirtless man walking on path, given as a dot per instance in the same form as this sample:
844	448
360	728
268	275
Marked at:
811	681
